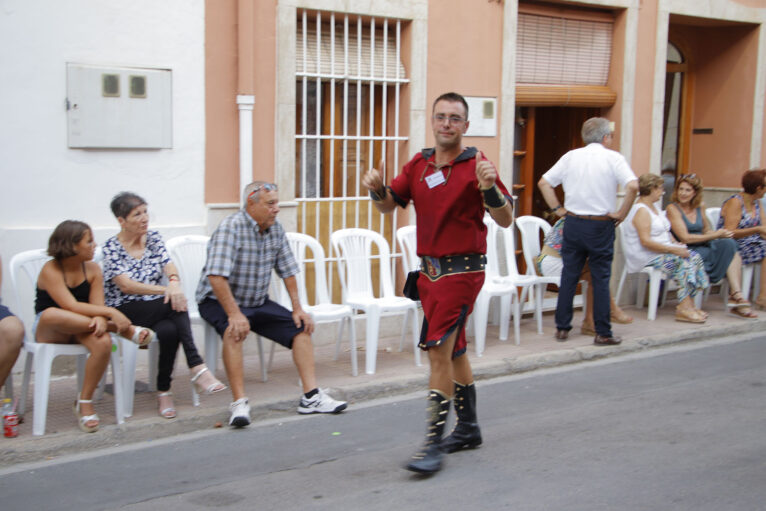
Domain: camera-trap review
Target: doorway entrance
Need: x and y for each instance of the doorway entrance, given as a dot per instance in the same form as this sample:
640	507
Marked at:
546	133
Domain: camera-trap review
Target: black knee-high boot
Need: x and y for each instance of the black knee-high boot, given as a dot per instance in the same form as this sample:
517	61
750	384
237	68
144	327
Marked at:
429	458
466	433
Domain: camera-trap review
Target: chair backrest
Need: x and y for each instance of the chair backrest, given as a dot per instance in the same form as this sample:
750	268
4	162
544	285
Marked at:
713	214
530	227
501	242
408	242
189	253
25	267
299	244
353	247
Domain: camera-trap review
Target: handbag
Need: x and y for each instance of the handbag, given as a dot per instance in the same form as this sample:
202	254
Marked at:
411	286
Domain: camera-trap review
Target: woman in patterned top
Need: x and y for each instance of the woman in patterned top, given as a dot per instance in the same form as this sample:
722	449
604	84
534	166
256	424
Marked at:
742	214
136	266
549	264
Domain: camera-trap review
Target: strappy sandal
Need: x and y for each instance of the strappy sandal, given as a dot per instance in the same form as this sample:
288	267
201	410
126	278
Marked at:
587	329
737	300
136	338
211	384
689	316
743	312
167	412
83	420
621	317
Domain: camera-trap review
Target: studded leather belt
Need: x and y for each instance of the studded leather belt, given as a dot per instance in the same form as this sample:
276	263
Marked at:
437	267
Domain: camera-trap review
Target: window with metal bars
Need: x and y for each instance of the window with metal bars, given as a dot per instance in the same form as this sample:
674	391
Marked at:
350	76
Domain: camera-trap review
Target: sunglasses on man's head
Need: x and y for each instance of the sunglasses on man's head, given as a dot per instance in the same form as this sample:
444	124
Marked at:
269	187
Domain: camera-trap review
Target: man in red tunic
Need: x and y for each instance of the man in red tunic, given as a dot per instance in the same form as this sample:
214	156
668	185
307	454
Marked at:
451	187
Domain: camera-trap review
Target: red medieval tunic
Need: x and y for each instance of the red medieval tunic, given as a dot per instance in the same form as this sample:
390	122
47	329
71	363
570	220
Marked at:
450	212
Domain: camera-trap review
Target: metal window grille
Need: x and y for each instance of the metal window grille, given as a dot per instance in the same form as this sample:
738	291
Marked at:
349	77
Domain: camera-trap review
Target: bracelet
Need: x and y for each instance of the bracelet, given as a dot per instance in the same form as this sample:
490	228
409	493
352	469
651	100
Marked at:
173	277
553	210
493	198
378	196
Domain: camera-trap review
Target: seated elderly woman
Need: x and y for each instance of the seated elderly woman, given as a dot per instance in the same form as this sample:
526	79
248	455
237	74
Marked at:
69	307
648	243
135	263
549	264
742	214
717	248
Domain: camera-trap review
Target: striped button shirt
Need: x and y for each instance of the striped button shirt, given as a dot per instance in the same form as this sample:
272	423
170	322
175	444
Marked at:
238	251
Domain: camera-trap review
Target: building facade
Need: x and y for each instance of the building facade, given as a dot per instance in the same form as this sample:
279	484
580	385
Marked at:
310	93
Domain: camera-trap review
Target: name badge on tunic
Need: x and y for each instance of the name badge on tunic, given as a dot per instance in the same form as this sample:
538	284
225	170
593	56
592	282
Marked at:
435	179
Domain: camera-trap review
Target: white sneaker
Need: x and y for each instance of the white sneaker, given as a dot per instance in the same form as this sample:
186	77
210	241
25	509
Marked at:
321	403
240	413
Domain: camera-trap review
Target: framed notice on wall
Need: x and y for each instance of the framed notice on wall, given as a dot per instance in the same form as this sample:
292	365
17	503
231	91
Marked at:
482	114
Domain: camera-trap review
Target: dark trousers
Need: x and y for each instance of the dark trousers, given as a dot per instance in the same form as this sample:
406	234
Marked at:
172	328
591	241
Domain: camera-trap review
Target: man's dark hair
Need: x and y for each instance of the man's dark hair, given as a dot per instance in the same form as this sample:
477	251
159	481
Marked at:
452	97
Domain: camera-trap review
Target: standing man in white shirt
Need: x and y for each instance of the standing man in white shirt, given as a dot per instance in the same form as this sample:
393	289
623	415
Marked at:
590	176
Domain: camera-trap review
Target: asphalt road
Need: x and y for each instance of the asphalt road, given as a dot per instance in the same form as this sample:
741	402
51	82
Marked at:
676	429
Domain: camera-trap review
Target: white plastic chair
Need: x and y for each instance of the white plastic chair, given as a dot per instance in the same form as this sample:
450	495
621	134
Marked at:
353	248
532	230
323	310
189	253
408	242
25	268
654	275
713	214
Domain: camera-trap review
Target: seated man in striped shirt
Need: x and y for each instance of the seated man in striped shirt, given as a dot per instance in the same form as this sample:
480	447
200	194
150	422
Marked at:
233	297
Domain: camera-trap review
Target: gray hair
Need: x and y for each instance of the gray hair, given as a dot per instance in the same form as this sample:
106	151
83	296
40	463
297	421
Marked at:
257	186
595	129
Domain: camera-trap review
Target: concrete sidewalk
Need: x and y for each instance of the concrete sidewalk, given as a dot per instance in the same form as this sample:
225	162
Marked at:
396	374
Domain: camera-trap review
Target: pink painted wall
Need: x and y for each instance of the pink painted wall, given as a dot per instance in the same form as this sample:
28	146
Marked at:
723	62
465	56
228	74
644	85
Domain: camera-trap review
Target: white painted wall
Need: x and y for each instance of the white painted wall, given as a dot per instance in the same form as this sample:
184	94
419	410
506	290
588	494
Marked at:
45	182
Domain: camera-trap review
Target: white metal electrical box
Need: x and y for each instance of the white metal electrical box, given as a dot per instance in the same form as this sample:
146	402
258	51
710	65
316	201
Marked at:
119	107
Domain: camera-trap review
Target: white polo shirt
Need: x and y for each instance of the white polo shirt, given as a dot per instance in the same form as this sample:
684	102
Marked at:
590	176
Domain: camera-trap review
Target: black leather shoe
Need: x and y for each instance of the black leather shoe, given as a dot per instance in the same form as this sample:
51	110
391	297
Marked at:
562	335
606	341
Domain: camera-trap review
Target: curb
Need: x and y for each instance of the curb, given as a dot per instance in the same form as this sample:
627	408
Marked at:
54	445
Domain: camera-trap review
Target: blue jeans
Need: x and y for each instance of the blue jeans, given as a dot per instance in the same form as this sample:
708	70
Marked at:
591	241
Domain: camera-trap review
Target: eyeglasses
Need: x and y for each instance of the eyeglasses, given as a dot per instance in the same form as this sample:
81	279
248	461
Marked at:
453	119
269	187
687	176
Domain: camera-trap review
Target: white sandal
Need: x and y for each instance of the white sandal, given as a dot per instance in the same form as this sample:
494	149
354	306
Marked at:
137	336
210	389
82	420
169	412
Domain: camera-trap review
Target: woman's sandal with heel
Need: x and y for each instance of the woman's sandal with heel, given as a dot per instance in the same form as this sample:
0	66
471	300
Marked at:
738	306
168	412
136	337
83	420
211	387
689	316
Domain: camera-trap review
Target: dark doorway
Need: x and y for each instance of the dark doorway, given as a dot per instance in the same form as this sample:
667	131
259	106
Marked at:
557	130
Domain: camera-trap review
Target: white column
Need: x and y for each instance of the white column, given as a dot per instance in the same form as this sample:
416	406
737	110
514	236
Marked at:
245	104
